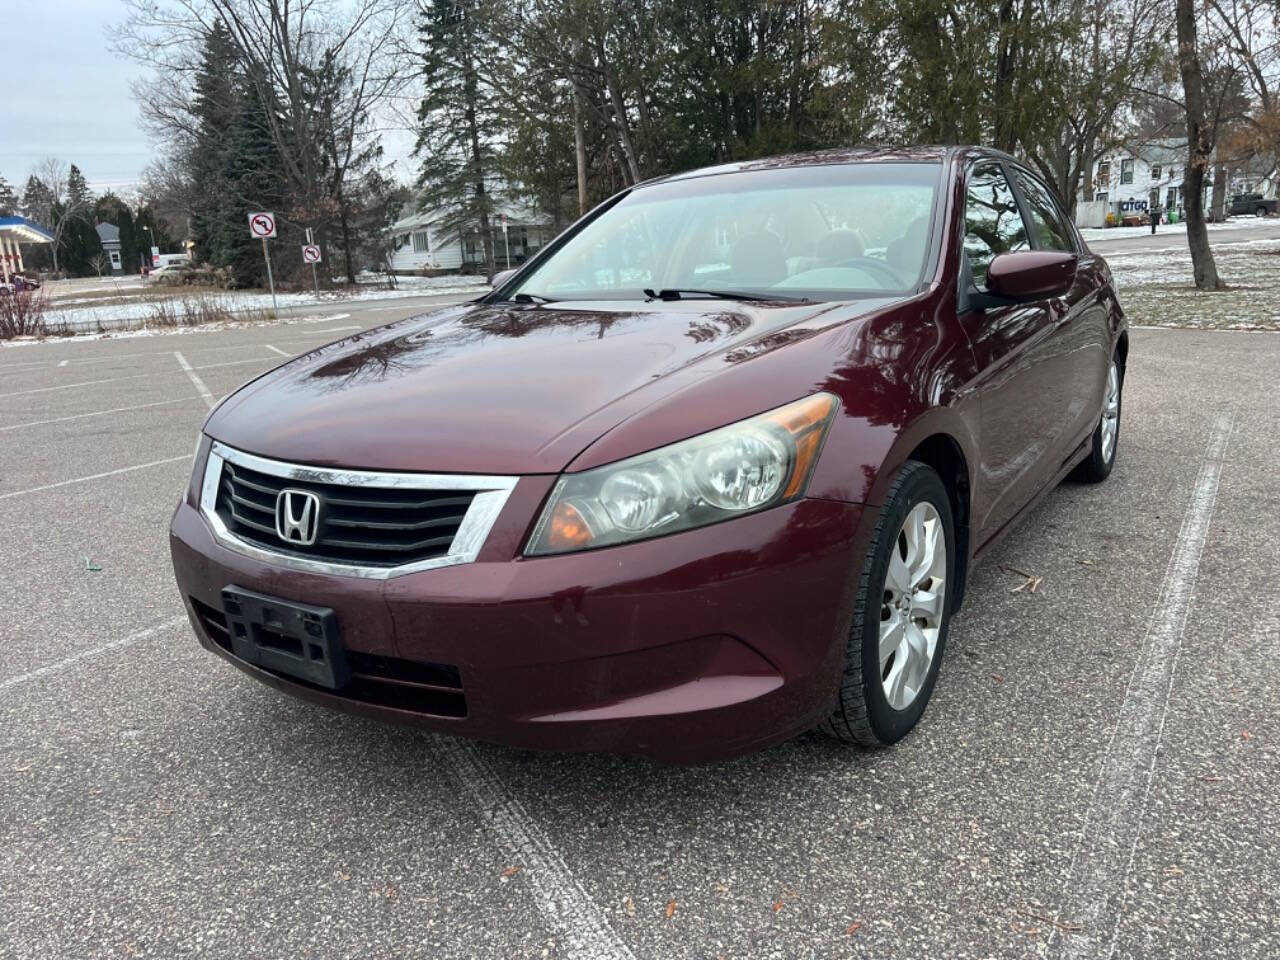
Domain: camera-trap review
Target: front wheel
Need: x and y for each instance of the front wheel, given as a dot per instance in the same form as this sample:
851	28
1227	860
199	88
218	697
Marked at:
1096	467
901	613
1260	212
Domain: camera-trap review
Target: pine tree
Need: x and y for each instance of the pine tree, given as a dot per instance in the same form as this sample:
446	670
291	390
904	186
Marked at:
8	199
253	176
457	120
129	245
79	196
37	201
215	107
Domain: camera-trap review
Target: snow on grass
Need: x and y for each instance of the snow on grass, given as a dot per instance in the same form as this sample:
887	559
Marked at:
82	316
1157	289
1120	233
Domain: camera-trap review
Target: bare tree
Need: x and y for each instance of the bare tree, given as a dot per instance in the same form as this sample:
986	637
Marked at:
320	68
1199	147
61	208
100	264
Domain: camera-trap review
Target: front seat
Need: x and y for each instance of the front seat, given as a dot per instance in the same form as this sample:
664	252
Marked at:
758	259
837	246
906	254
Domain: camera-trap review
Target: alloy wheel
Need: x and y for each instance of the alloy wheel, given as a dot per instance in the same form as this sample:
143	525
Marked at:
914	603
1111	413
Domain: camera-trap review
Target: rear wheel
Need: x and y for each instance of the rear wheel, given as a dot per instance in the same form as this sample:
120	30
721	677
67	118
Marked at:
1260	212
1102	457
901	613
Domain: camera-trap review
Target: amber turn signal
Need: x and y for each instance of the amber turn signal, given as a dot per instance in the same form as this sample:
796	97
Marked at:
806	420
568	529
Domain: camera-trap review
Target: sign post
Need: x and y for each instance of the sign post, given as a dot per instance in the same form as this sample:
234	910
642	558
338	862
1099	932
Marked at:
263	225
506	241
311	255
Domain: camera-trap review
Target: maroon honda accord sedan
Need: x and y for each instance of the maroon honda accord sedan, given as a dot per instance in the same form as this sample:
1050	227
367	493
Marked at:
709	470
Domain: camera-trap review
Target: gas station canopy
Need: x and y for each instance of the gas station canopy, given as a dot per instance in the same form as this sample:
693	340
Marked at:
22	230
13	232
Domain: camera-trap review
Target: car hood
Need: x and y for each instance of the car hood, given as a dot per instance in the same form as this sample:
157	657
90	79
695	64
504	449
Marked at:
499	388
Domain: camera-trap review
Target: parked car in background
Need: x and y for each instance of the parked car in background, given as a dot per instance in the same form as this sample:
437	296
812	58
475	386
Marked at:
170	274
20	280
709	470
1251	205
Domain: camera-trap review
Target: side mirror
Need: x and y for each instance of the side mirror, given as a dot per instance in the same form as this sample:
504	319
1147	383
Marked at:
502	276
1031	275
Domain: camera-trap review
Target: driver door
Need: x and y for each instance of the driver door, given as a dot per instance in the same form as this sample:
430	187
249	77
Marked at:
1023	374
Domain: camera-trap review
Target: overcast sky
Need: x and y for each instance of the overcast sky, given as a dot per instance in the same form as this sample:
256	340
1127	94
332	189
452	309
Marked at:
67	95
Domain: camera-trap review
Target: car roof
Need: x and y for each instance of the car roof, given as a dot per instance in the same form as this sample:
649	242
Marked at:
840	155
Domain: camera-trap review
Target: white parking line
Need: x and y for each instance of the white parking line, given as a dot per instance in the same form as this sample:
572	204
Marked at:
94	413
315	333
282	353
1100	867
63	363
73	386
96	476
72	660
195	379
567	908
231	363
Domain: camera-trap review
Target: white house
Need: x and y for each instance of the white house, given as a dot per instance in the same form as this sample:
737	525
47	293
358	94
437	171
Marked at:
109	235
422	246
1126	179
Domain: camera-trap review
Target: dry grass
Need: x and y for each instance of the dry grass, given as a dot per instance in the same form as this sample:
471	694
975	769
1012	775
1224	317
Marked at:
21	314
1156	288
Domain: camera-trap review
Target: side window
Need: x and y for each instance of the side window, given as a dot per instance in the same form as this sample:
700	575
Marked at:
1051	230
992	223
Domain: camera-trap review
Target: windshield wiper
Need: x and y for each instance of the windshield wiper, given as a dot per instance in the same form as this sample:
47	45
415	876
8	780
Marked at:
532	298
679	293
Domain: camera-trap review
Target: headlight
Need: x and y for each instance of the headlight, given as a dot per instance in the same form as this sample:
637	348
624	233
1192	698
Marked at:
738	469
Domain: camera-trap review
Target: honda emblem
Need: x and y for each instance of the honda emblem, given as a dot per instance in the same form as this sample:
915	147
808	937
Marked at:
297	516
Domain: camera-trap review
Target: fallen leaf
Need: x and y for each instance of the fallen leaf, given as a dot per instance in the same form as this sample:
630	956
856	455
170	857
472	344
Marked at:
1176	871
629	906
1246	734
852	929
512	871
778	905
671	909
997	678
1211	778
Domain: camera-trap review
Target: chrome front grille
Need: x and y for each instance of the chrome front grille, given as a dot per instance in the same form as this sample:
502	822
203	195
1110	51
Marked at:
364	524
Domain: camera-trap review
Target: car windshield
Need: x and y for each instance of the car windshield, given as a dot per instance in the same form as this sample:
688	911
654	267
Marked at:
822	232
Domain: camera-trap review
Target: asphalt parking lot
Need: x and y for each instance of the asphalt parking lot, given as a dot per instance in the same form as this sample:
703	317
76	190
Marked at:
1096	774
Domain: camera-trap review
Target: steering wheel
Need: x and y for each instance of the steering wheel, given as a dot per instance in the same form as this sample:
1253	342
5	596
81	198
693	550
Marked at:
872	265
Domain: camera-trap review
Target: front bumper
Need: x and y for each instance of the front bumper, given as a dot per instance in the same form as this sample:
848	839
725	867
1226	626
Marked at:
688	648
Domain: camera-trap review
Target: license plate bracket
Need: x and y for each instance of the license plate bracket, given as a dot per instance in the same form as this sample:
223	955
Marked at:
291	638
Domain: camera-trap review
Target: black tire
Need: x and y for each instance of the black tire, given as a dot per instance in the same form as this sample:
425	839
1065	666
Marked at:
1260	212
863	714
1096	467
